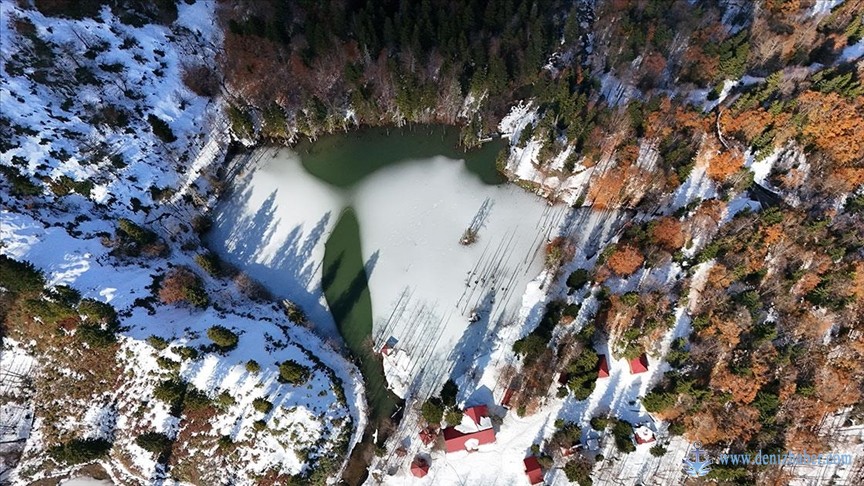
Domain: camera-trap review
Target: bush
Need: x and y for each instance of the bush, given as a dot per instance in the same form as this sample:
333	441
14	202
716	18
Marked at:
210	263
182	285
140	235
432	410
65	295
157	342
76	9
252	289
295	313
578	470
577	279
252	366
170	391
20	277
241	122
224	400
196	399
21	184
98	312
658	450
449	392
293	372
64	185
50	312
187	352
453	416
95	336
623	433
676	428
154	442
161	129
222	337
133	240
599	423
259	425
78	451
168	363
262	405
572	310
715	92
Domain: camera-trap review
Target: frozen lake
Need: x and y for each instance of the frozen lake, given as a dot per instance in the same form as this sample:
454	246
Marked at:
389	211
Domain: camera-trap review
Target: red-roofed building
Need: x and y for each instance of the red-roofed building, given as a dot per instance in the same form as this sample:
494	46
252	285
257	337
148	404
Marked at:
639	365
419	467
470	435
643	435
460	441
477	413
389	346
602	367
533	470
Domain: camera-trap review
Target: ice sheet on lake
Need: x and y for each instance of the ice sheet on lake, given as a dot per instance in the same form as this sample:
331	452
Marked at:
424	284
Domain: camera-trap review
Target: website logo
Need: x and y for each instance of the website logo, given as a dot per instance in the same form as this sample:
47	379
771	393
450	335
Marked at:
697	462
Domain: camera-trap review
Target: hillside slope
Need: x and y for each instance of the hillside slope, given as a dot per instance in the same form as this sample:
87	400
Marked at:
120	347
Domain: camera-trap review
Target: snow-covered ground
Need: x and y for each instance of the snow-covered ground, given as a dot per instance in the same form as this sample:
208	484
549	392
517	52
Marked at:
553	181
299	411
137	71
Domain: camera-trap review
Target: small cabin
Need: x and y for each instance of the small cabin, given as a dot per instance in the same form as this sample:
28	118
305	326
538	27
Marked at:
602	367
471	433
533	470
639	365
388	346
643	435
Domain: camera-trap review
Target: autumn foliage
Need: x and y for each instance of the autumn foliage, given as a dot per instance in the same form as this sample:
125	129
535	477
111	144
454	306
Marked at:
835	126
625	260
725	164
182	285
668	233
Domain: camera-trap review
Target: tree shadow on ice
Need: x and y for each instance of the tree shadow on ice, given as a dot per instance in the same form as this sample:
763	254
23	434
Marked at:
246	240
469	355
481	216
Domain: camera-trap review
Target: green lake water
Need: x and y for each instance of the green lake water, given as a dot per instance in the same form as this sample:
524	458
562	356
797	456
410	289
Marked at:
345	159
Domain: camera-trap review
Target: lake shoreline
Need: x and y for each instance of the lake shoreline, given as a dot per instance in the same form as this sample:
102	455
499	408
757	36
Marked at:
369	151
